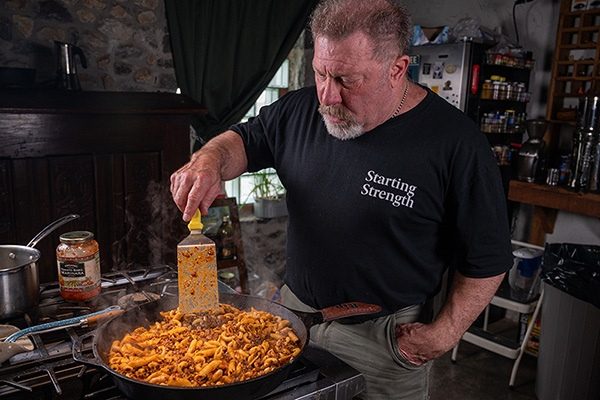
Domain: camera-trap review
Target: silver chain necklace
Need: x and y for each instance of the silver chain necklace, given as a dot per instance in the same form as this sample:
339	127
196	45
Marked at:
397	112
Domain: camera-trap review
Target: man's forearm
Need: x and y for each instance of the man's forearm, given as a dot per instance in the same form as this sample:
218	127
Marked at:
466	300
225	150
468	297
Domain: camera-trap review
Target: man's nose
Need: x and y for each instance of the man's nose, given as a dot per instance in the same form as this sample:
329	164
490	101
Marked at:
330	92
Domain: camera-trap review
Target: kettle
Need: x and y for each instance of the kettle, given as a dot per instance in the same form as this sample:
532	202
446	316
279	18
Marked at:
66	72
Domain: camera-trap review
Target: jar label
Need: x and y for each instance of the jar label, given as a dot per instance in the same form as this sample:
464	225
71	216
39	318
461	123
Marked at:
79	276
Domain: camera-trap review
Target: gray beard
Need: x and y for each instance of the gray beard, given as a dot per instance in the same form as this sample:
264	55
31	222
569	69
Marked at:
349	129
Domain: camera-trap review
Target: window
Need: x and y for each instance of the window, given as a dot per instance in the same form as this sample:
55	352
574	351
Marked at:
241	187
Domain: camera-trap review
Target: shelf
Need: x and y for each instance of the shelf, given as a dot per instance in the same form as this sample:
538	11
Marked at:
508	67
574	78
576	62
562	122
503	133
492	102
555	198
582	12
574	95
578	46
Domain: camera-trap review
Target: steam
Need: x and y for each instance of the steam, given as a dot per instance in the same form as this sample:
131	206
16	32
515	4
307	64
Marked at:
153	230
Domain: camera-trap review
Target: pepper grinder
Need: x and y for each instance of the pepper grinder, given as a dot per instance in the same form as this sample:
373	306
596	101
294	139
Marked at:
532	155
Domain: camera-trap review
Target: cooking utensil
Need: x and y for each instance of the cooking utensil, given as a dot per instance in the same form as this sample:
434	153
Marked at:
148	313
197	270
7	350
11	345
19	275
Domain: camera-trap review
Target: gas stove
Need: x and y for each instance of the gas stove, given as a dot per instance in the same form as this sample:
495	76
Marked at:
50	372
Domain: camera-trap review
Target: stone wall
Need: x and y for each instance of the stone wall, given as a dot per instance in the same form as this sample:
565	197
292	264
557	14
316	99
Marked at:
125	42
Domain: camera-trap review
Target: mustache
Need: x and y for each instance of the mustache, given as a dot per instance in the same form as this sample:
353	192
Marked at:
337	111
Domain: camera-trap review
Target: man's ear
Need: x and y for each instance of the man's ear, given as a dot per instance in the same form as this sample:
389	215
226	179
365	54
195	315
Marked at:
398	69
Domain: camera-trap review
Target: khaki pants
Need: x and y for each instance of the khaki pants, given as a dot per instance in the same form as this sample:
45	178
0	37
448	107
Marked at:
370	347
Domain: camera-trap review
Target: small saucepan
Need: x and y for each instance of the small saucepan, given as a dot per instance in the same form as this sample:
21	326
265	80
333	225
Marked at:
148	313
19	276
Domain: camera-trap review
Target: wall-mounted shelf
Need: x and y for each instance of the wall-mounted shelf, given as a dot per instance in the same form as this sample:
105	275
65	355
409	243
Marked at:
547	201
555	198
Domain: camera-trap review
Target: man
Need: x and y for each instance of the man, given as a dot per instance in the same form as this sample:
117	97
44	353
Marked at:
387	186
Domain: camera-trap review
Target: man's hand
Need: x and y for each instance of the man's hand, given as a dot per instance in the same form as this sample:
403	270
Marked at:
195	185
198	183
420	343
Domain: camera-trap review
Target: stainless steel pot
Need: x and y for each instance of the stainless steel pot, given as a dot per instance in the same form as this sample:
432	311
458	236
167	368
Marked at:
19	276
19	280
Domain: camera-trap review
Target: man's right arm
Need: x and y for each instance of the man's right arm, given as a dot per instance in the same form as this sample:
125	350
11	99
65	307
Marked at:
198	183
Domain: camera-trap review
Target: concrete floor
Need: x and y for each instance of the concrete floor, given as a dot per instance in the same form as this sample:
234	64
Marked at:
481	375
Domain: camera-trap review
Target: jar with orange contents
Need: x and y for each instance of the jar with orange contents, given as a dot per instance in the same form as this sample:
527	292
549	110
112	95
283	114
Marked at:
78	260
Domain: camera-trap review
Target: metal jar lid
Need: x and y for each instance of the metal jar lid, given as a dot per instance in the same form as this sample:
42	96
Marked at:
76	237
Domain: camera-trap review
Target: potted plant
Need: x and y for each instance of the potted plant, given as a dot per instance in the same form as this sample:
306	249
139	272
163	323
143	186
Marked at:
269	195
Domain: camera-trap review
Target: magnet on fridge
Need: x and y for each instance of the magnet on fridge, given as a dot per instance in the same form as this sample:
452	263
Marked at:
438	71
451	68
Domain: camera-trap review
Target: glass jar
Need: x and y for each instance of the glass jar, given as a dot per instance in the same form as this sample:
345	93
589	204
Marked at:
509	91
78	260
486	90
496	90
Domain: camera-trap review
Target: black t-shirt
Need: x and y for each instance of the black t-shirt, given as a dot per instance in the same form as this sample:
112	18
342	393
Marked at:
379	218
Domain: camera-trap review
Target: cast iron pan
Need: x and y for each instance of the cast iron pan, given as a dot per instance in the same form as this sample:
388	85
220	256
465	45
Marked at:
147	314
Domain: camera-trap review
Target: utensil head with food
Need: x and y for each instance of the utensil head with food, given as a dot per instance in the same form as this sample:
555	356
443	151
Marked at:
197	270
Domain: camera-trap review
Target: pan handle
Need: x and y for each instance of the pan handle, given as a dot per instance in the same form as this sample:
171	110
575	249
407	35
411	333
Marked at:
338	311
85	320
78	352
351	309
54	225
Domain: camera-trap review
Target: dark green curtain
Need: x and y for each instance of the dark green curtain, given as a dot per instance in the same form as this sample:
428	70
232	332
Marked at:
226	52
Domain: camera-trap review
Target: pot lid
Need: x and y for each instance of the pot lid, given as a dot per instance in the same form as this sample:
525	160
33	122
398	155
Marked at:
15	256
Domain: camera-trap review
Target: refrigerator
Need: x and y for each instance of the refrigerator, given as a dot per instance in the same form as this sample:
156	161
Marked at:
451	70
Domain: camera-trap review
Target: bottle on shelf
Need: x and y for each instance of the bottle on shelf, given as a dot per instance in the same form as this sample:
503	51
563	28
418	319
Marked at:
585	141
226	244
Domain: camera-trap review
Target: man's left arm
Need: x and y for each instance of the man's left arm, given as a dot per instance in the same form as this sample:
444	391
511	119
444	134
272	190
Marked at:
467	298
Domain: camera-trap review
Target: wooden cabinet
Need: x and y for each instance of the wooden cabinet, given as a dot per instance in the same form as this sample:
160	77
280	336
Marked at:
575	67
106	156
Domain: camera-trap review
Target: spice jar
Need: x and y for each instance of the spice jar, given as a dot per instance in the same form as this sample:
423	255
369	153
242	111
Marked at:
78	260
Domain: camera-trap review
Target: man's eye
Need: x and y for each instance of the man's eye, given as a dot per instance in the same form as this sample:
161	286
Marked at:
347	82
